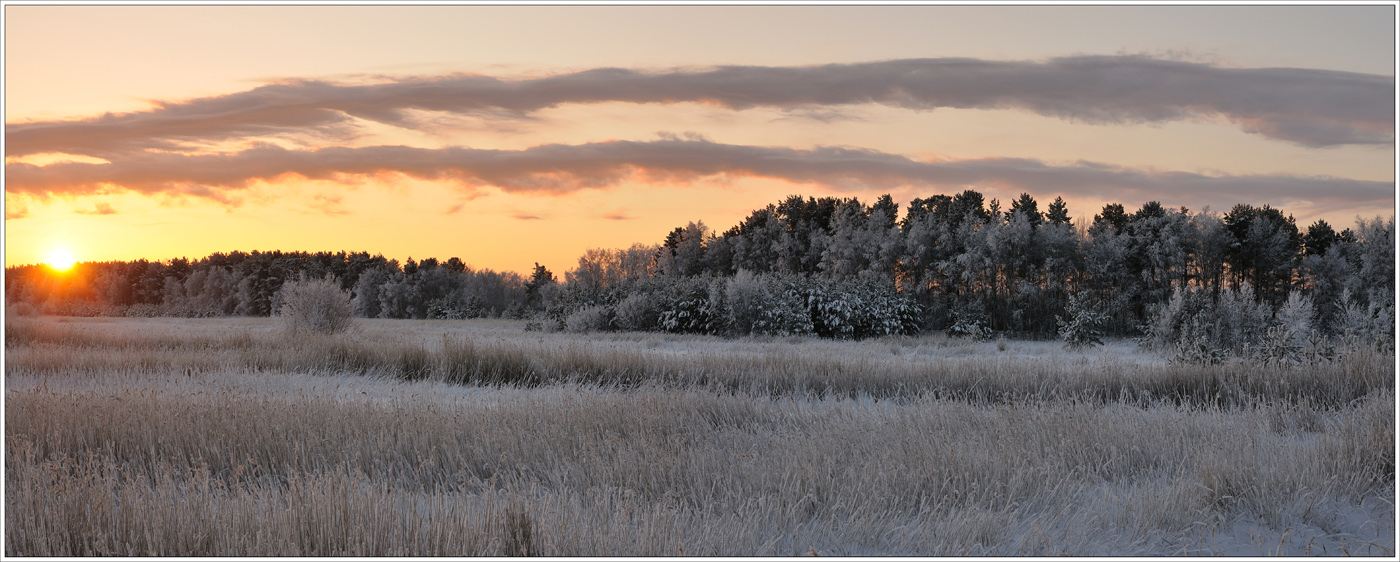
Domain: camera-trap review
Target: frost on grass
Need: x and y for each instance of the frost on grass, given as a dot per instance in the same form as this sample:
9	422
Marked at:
224	437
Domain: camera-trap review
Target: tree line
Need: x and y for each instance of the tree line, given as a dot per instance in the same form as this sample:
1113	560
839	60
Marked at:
250	284
828	266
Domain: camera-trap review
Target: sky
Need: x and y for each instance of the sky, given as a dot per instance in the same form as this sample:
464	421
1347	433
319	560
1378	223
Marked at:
511	135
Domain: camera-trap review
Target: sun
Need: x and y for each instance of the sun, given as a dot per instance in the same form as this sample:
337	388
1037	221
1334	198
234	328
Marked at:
61	259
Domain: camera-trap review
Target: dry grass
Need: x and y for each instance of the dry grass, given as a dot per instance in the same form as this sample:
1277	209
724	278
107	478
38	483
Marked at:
213	438
498	352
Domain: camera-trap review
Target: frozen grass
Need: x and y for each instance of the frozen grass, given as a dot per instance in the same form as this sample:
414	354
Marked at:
498	352
219	437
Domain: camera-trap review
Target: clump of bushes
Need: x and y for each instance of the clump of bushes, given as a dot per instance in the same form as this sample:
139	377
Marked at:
1195	328
741	305
21	308
590	319
1083	326
315	306
637	313
970	321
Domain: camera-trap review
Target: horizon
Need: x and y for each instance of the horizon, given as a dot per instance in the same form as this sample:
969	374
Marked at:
512	135
1080	222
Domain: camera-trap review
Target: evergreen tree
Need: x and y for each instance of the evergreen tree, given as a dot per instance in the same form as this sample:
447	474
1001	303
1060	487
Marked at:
1058	212
1025	206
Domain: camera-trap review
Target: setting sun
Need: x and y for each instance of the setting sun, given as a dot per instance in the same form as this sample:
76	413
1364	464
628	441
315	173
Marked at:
61	259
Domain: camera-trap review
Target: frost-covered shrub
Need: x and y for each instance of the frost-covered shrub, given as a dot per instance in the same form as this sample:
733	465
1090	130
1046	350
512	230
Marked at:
1295	319
891	314
142	310
637	312
970	322
835	312
754	304
456	308
315	305
590	319
1370	325
1291	339
1083	325
1198	349
747	298
516	311
1176	320
1277	348
445	309
1242	321
72	308
1196	330
21	308
785	311
685	307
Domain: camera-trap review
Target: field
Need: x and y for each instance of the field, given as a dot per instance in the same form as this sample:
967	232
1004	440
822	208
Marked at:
227	437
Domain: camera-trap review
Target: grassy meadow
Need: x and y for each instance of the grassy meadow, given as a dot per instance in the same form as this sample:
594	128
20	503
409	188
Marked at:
229	437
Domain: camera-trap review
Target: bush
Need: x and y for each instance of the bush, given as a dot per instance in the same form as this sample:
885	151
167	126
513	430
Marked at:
1084	325
590	319
1369	325
746	297
969	321
636	313
1242	320
685	307
516	311
1236	324
317	305
142	310
785	313
1197	350
891	313
1179	320
21	308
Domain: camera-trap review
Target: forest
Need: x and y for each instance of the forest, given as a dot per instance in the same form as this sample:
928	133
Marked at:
1201	282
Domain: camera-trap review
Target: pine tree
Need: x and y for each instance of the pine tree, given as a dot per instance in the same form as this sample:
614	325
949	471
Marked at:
1058	212
1084	325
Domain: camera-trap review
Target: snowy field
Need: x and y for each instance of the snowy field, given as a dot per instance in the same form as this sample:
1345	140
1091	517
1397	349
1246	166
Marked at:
225	437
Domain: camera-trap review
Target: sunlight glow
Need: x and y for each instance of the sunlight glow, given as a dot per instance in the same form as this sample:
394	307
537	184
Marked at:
61	259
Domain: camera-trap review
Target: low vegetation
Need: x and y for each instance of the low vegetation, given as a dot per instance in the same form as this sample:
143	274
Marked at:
227	437
315	305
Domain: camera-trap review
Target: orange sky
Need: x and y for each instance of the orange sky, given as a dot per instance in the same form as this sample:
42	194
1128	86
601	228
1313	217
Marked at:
612	157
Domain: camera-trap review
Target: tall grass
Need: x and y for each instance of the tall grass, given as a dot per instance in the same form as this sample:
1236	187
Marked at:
779	369
180	443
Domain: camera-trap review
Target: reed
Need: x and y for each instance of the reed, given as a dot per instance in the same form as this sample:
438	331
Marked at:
182	445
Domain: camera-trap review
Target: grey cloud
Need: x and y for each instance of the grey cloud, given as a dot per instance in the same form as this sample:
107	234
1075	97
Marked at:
560	168
1304	106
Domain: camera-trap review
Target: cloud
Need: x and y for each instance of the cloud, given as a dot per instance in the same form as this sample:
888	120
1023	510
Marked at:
558	168
332	205
525	217
14	211
98	209
1304	106
617	217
